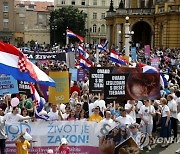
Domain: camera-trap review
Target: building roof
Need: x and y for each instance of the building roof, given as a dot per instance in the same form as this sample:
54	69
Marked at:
38	6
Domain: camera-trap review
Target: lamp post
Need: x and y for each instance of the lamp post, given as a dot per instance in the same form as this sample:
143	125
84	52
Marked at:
127	36
54	28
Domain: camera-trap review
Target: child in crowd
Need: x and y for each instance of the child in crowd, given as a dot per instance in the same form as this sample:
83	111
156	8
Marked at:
63	148
22	144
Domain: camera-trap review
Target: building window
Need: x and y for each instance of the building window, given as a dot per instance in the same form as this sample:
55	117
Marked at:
94	15
103	15
73	2
21	15
63	2
5	23
103	28
94	30
103	2
5	7
83	2
94	2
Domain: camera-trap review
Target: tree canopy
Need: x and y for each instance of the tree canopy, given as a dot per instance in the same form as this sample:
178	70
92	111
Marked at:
70	17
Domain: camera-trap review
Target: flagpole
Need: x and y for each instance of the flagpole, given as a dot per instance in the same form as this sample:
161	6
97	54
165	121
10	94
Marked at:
67	38
97	50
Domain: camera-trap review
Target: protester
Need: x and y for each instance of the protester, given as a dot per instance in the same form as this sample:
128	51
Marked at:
165	122
125	119
22	144
63	147
96	115
13	116
147	112
3	135
173	117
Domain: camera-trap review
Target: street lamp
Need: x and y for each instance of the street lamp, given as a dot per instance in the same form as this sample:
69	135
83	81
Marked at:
127	36
54	28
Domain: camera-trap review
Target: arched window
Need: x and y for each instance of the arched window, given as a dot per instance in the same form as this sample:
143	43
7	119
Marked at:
103	28
94	28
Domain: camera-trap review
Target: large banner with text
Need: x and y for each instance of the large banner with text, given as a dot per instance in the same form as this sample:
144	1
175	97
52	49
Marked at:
136	86
82	136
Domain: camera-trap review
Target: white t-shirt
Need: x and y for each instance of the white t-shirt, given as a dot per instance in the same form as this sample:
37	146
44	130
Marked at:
164	109
178	100
139	104
53	116
125	120
173	107
133	112
145	110
11	118
107	120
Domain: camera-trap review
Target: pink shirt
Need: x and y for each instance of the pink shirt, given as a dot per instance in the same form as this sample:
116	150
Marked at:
64	150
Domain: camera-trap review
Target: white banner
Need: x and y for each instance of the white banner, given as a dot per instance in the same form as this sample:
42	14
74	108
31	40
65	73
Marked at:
83	135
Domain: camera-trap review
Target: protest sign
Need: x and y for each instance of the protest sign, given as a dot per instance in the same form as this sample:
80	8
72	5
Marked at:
96	78
73	72
133	53
128	146
155	62
60	93
136	86
82	136
81	75
147	51
8	85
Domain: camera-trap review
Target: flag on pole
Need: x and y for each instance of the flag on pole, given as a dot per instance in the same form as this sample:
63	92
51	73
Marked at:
83	51
114	57
104	46
72	34
85	63
14	62
38	103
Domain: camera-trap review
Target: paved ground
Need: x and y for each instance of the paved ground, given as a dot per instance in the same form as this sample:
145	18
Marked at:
171	149
156	149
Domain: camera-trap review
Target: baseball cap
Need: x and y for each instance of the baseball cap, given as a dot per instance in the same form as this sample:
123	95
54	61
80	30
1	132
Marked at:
64	141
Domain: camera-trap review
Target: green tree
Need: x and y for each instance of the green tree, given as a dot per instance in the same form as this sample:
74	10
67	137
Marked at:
64	17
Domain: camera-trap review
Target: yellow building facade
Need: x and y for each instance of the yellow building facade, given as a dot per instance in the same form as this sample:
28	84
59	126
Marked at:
154	23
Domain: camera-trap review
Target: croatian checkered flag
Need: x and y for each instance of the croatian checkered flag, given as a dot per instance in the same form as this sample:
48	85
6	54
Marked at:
38	103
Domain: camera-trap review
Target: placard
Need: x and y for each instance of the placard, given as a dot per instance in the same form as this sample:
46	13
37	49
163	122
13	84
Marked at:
73	72
60	93
132	86
147	51
96	78
81	75
133	53
8	85
155	62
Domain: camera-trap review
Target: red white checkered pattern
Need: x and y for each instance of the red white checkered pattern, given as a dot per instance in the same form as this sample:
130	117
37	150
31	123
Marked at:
22	64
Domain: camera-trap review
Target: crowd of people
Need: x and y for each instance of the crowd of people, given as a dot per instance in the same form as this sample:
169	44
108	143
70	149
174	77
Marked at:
133	117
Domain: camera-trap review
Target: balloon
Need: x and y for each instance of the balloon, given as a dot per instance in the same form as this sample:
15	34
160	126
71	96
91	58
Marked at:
14	102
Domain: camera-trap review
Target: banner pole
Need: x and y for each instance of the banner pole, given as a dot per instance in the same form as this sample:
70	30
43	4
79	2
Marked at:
114	103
